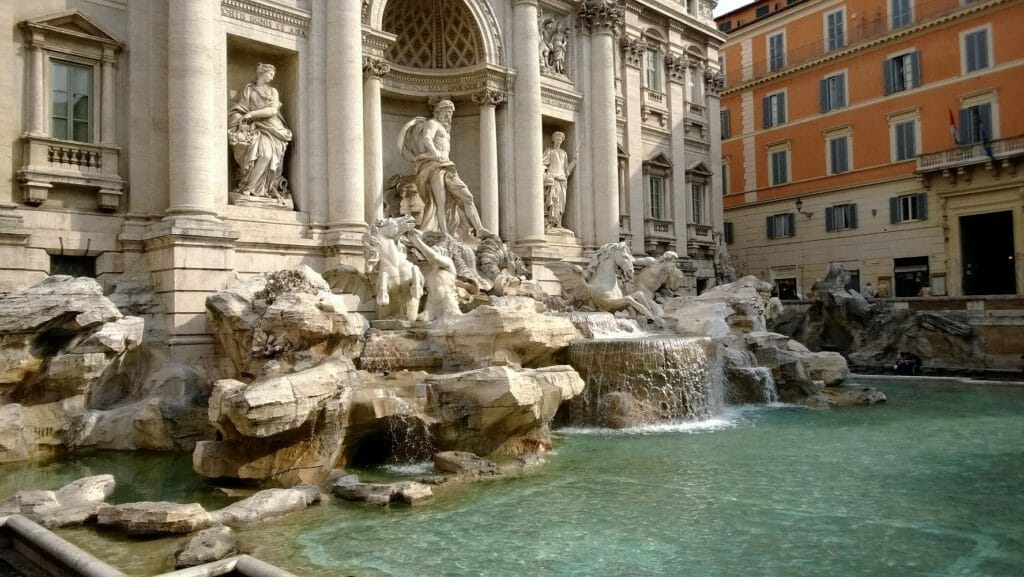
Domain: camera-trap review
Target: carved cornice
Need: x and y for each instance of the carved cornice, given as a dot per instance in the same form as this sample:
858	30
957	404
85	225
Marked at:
413	82
489	97
266	16
375	66
601	16
633	50
377	42
561	98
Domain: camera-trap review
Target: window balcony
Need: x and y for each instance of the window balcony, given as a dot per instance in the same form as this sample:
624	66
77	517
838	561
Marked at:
49	161
657	229
699	235
998	151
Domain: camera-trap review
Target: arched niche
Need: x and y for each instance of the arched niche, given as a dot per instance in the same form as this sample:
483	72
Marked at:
479	10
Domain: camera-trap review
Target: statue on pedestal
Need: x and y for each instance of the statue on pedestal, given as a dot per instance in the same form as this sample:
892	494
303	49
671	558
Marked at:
557	170
258	137
448	203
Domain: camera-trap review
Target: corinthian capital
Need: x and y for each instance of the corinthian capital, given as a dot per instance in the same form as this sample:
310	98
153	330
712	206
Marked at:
633	51
601	16
375	66
675	65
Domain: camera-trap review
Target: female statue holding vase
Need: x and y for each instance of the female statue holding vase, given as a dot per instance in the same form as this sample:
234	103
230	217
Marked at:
258	137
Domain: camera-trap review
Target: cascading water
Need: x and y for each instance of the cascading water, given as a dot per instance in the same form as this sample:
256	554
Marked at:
602	325
633	381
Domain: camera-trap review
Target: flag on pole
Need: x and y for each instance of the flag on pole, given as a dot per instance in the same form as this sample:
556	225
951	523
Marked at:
952	127
986	143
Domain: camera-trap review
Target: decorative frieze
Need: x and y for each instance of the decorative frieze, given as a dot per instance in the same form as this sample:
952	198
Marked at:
266	16
601	16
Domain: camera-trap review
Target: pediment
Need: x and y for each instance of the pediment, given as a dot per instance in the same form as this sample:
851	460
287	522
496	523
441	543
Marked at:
659	160
73	23
699	168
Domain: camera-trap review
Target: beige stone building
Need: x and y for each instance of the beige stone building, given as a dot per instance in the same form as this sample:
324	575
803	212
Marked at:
148	144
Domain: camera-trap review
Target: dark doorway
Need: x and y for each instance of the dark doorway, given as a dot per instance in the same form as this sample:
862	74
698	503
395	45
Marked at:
986	247
786	288
911	275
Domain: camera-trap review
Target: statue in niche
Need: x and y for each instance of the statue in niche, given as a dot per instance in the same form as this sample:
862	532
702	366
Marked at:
258	137
554	45
448	204
557	170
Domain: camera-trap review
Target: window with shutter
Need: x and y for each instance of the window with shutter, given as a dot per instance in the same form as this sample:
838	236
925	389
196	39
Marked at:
975	50
835	30
901	13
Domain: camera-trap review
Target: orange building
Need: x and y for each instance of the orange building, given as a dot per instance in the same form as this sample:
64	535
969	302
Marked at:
886	135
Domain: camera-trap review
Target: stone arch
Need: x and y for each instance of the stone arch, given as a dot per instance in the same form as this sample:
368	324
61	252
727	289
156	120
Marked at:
482	14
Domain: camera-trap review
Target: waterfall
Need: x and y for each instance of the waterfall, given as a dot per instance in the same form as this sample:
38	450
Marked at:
632	381
602	325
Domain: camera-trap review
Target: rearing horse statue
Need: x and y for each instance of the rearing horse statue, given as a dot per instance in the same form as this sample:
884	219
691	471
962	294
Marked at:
598	286
397	282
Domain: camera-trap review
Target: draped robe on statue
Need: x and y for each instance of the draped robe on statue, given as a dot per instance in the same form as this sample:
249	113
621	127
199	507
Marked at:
258	145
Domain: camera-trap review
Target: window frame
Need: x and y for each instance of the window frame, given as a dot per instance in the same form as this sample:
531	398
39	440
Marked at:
90	123
656	206
773	176
829	40
965	64
845	135
781	36
826	91
725	123
908	208
773	108
653	65
841	217
699	202
787	220
910	62
893	14
895	120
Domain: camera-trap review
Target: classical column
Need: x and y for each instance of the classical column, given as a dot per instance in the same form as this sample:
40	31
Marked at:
714	81
603	18
488	100
36	97
373	69
675	67
633	51
107	133
528	130
345	117
197	141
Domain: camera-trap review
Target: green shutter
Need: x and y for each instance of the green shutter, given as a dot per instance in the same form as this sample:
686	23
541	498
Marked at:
830	224
894	210
770	226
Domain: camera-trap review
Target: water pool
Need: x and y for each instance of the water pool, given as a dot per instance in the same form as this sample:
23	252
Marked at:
930	484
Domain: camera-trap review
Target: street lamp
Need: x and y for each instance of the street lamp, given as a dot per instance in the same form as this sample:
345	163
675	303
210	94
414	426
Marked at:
800	208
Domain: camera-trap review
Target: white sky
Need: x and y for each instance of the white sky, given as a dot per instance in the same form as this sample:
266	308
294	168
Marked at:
728	6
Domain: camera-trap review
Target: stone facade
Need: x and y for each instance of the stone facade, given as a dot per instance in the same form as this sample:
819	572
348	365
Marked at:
123	157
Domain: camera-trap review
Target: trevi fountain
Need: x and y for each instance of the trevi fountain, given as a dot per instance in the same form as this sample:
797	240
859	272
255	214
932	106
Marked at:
482	364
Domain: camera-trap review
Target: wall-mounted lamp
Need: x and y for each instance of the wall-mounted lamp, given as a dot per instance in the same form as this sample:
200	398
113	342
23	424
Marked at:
800	208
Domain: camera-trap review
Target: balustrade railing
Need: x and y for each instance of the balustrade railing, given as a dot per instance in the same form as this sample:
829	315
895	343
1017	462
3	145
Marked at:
971	154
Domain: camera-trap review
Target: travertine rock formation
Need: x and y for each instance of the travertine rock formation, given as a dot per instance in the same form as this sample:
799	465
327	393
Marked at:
154	519
75	503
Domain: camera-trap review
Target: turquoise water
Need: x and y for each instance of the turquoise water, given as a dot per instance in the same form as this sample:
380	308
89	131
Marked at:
930	484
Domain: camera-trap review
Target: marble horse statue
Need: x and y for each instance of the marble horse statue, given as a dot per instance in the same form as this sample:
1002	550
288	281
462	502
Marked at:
598	286
391	278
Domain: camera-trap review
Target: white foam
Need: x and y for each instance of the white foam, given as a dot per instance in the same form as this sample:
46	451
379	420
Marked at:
410	468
